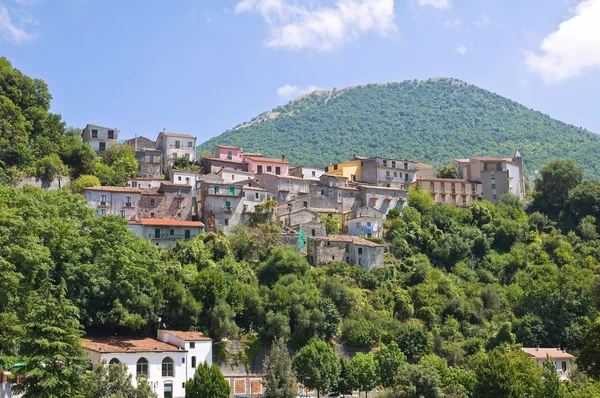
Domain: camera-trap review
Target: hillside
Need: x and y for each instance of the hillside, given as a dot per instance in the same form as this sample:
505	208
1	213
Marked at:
432	121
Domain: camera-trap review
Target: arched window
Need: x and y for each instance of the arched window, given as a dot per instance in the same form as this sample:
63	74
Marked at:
168	367
114	361
193	362
141	368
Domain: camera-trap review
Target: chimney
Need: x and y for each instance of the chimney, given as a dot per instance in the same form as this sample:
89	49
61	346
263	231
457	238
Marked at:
283	158
537	348
557	348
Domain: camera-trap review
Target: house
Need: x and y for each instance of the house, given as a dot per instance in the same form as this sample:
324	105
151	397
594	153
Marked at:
165	232
174	145
227	205
167	362
144	182
283	188
383	198
224	157
449	191
120	201
232	175
307	172
258	164
184	177
496	175
169	201
354	250
365	221
140	143
562	359
149	159
350	169
100	138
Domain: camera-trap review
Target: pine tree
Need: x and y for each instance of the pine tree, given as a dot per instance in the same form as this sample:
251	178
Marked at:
208	381
279	378
551	386
50	346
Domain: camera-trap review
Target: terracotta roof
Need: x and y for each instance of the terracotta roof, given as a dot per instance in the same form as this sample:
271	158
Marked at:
115	189
249	188
126	344
356	240
177	135
223	160
435	179
188	336
554	353
269	160
167	222
151	191
227	146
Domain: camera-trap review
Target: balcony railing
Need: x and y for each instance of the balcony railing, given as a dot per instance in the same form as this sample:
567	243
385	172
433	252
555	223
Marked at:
169	236
103	204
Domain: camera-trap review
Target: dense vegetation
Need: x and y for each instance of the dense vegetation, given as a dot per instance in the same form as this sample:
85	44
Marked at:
432	121
461	287
35	142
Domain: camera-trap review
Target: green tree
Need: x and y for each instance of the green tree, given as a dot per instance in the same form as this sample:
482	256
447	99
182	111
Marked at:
551	386
282	261
418	381
84	181
420	200
181	163
279	377
332	225
552	189
50	346
317	366
389	358
362	369
113	381
222	323
447	172
589	356
48	168
208	381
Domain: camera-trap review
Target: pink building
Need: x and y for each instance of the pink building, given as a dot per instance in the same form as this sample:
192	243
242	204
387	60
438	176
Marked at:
225	152
259	165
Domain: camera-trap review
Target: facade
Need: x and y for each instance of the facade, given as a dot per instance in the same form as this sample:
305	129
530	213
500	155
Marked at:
454	192
166	363
283	188
382	198
351	169
120	201
144	182
259	165
307	172
149	163
100	138
226	152
231	175
169	201
141	143
184	177
365	221
173	145
562	359
354	250
496	175
165	232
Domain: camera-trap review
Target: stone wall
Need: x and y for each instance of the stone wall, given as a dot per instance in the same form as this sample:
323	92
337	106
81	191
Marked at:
58	183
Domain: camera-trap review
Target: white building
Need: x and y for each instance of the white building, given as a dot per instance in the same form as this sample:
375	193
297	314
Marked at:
119	201
166	363
173	145
562	359
165	232
231	175
100	138
365	221
144	182
307	172
184	177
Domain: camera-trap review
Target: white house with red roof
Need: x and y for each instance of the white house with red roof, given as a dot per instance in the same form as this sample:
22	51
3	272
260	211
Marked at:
165	232
166	363
562	359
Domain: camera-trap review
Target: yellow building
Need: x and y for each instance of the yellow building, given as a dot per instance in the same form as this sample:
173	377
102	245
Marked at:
350	169
454	192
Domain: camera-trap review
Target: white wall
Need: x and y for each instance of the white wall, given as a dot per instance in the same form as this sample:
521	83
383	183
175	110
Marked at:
514	177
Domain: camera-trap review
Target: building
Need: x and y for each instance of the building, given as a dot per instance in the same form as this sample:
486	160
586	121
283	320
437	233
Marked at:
232	175
562	359
283	188
149	163
144	182
350	169
496	175
449	191
165	232
120	201
140	143
100	138
354	250
169	201
383	198
258	164
166	362
184	177
173	145
365	221
226	205
307	172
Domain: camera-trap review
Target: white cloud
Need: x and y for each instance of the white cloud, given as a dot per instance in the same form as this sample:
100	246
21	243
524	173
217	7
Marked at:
574	47
454	24
462	49
483	22
441	4
289	91
312	26
10	31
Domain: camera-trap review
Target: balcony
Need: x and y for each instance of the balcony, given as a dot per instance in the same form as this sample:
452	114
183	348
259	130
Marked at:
103	204
127	205
169	236
229	210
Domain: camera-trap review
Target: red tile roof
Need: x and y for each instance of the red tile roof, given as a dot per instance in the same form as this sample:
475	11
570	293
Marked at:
167	222
115	189
188	336
554	353
224	160
126	344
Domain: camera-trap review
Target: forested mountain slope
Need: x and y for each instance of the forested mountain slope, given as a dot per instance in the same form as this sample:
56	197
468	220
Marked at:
433	121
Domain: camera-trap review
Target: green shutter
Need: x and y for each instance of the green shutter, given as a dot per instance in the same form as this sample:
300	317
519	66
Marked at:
232	191
187	234
228	204
157	233
171	232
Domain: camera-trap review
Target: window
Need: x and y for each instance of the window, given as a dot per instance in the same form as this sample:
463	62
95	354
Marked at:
563	366
384	163
122	213
313	232
114	361
168	368
226	222
232	177
134	184
387	173
111	134
94	133
305	203
256	195
314	173
128	200
157	233
269	169
179	204
278	170
102	146
229	155
177	144
395	174
190	144
259	169
182	360
168	390
358	224
151	215
179	178
103	199
187	235
151	158
228	205
187	156
141	368
393	164
192	346
494	196
193	362
171	232
152	202
359	251
405	166
231	191
493	186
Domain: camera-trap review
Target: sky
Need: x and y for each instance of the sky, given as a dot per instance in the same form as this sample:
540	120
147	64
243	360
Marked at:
201	67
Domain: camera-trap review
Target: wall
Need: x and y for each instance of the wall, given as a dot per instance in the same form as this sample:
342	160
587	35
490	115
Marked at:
514	175
149	163
234	175
296	217
501	182
166	240
327	252
307	172
115	202
58	183
351	169
254	162
165	206
186	178
358	226
371	257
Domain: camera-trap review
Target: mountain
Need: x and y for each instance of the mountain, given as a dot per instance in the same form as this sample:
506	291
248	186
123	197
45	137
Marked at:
432	121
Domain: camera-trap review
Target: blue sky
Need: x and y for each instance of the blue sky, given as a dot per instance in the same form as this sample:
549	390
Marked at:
201	67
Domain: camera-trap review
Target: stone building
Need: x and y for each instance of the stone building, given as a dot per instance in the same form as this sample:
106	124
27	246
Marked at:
383	198
165	232
354	250
283	188
365	221
454	192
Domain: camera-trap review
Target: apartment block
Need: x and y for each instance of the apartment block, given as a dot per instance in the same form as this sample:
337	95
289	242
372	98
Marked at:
119	201
454	192
100	138
173	146
283	188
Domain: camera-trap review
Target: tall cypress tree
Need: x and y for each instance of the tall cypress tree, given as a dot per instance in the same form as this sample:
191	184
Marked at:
208	381
279	378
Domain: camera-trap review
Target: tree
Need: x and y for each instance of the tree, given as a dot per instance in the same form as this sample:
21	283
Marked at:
181	163
447	172
552	189
418	381
389	358
282	261
84	181
208	381
279	377
317	366
222	323
50	345
589	356
584	200
113	381
362	370
332	225
551	385
121	158
48	168
420	199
